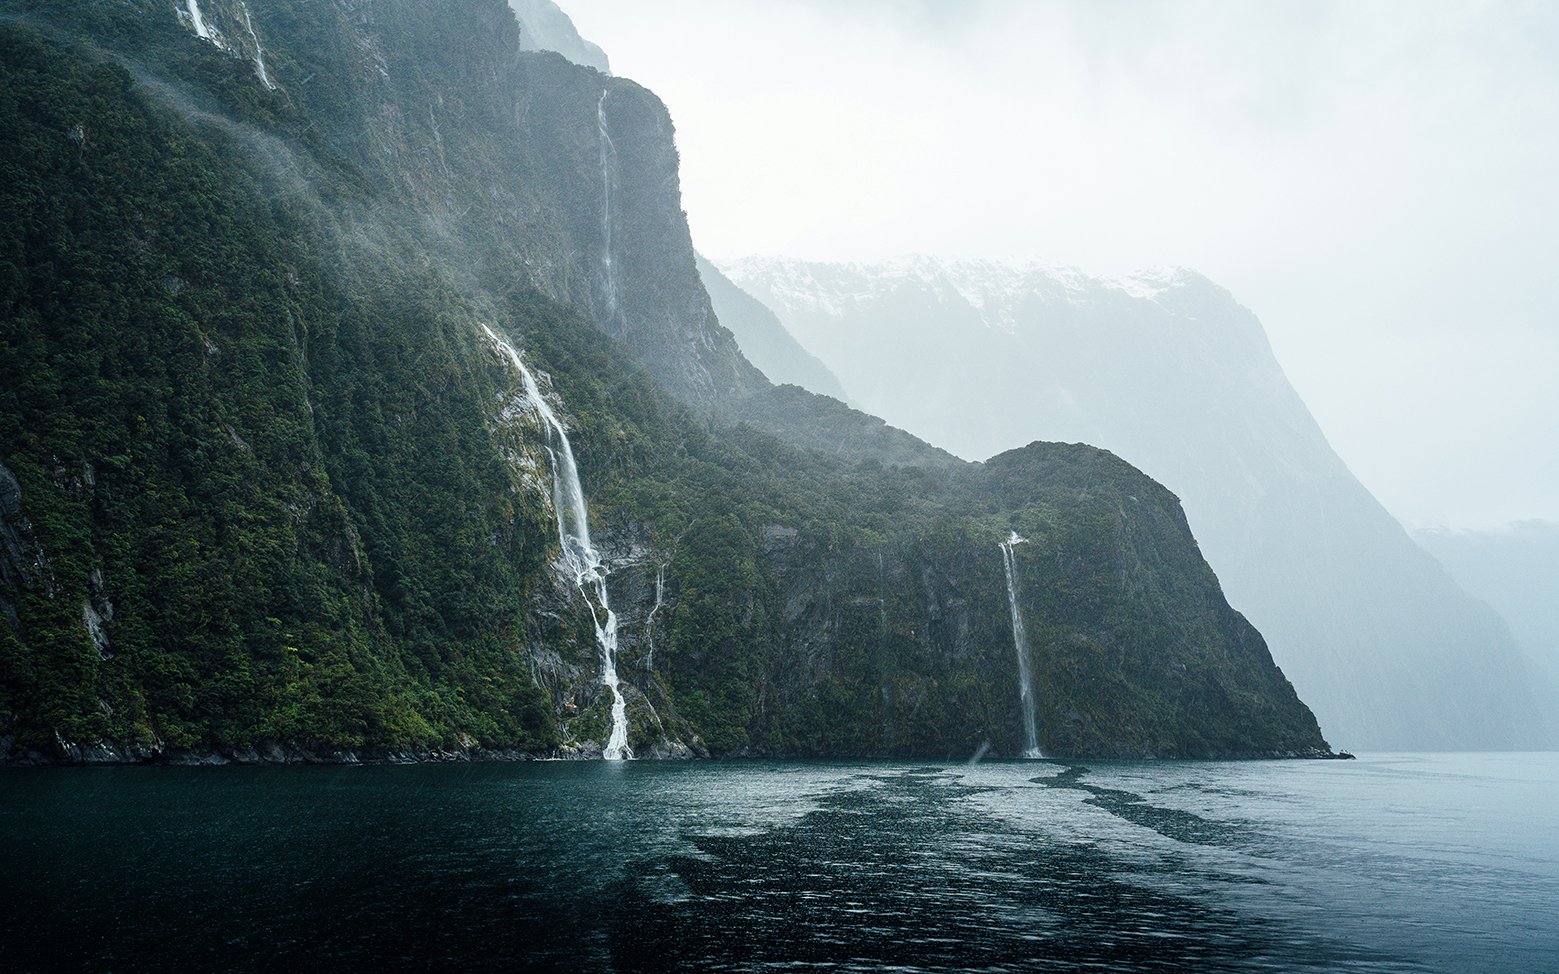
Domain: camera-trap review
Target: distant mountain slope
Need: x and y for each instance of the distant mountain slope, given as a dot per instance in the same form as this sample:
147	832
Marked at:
1514	569
545	27
763	339
1166	370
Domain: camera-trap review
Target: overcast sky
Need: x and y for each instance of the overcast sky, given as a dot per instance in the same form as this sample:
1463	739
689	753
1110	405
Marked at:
1379	182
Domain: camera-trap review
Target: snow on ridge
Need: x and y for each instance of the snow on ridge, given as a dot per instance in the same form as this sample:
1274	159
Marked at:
994	289
1147	285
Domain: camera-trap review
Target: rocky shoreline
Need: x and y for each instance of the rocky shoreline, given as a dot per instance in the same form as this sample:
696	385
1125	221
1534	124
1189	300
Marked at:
108	754
66	753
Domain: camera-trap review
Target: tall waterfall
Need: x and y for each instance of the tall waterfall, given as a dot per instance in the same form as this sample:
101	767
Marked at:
608	156
1021	642
568	500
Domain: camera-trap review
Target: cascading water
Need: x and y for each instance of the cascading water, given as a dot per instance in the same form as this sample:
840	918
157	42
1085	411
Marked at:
568	500
1020	641
649	620
197	21
608	155
259	52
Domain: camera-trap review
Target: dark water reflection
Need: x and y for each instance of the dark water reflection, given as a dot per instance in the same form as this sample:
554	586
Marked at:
1407	863
910	874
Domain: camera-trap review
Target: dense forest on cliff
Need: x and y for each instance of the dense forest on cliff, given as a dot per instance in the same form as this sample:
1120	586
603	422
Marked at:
260	495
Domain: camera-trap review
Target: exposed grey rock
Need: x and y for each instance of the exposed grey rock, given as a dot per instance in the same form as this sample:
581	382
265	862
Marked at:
668	751
238	441
96	612
94	624
778	534
13	529
23	567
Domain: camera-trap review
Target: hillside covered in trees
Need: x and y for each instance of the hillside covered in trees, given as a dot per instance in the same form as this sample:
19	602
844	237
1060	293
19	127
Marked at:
268	493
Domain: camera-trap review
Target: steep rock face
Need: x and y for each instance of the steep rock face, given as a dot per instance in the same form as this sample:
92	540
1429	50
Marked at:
531	155
616	179
247	385
21	567
520	150
932	610
1167	371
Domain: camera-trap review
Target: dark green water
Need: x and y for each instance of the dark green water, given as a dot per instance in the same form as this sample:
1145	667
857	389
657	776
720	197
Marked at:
1400	863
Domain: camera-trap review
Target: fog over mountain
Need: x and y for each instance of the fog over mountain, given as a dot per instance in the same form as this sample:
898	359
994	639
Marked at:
545	27
1373	177
1169	372
1516	570
763	339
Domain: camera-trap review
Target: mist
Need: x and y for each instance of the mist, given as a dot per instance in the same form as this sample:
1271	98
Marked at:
1372	179
526	564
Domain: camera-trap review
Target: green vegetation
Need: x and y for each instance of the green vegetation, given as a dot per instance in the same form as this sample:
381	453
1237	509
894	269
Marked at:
243	393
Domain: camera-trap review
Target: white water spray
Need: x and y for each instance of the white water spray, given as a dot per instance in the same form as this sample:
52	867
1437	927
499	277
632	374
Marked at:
1021	642
568	500
608	155
259	52
649	620
197	21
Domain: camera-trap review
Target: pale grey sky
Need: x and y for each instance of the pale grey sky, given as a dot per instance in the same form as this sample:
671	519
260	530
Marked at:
1376	180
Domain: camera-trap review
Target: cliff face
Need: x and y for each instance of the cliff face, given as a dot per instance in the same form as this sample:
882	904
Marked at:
292	504
1167	371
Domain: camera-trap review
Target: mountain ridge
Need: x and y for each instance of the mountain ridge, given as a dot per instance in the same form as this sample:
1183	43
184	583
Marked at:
1169	371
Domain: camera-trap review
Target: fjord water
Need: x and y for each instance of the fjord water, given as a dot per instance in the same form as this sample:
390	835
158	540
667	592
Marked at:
1390	863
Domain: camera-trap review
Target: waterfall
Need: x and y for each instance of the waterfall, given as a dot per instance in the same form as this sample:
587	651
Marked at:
199	22
608	155
649	620
259	52
568	501
1020	641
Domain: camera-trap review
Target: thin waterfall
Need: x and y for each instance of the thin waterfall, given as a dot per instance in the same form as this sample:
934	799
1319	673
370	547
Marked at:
568	501
1021	643
608	156
649	620
259	52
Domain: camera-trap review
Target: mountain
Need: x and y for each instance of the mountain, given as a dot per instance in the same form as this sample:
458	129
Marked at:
545	27
360	399
763	339
1166	370
1515	569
